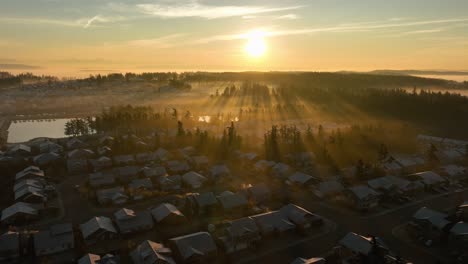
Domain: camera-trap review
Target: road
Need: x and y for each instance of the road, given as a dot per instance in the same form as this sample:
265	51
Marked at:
380	225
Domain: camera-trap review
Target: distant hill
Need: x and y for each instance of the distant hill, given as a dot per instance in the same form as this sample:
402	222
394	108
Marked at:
418	72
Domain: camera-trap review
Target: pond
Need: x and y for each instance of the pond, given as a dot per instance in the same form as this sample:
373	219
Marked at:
24	130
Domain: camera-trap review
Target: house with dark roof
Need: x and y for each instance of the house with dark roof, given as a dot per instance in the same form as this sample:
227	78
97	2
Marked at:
80	154
363	197
101	179
49	146
97	229
429	223
101	163
194	248
193	180
356	248
219	172
178	166
124	160
127	173
260	193
202	203
154	172
233	203
46	159
241	234
30	173
75	143
116	196
20	150
10	247
170	183
58	239
309	261
150	252
131	222
20	212
301	179
76	166
168	214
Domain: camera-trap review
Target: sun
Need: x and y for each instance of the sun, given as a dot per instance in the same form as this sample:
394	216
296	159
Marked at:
255	46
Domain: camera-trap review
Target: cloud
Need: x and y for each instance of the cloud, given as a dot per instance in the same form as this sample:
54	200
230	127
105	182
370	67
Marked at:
356	27
161	42
16	66
85	22
195	9
288	17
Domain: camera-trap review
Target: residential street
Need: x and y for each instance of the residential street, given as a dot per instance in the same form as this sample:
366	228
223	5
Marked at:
380	225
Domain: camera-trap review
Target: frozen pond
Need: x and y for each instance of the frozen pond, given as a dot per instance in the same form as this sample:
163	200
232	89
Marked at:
24	130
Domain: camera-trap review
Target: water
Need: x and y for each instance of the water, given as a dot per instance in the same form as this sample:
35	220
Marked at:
22	131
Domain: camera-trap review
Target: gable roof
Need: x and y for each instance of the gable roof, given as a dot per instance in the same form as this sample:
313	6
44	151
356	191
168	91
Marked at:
239	227
150	252
300	178
194	179
53	239
357	243
89	259
164	210
128	220
200	243
363	192
95	224
437	219
429	177
19	208
309	261
232	200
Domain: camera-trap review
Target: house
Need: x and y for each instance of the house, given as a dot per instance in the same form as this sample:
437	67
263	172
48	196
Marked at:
260	193
449	155
127	173
20	150
248	158
300	217
309	261
301	179
147	157
430	179
46	159
75	143
50	146
140	184
10	249
241	234
408	162
386	185
406	187
19	212
150	252
263	166
178	166
37	183
30	194
130	222
154	172
200	162
363	197
168	214
220	171
281	170
429	223
454	173
106	140
202	203
124	160
101	179
458	236
194	248
89	259
162	154
57	239
170	183
356	248
97	229
233	202
273	223
76	166
193	180
101	163
462	211
80	154
116	196
31	172
105	150
329	188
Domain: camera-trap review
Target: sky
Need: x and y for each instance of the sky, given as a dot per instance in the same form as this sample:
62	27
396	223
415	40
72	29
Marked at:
71	37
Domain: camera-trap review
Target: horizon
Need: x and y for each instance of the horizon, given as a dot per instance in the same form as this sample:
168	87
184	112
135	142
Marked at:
204	35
